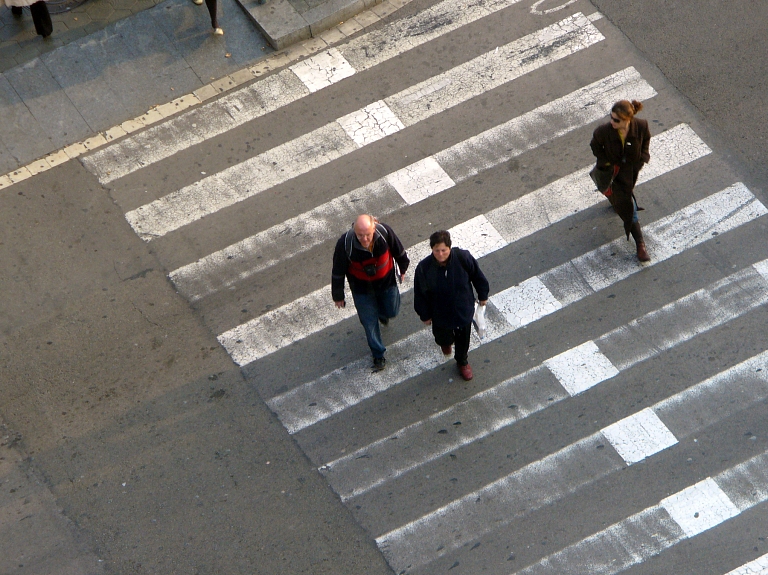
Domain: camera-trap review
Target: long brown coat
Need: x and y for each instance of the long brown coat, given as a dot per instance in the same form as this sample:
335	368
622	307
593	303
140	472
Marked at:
630	157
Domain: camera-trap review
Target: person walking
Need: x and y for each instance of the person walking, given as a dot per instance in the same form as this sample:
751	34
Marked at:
366	256
621	146
41	18
443	296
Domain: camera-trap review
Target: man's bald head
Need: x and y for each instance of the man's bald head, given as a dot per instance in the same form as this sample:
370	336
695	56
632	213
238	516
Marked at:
365	228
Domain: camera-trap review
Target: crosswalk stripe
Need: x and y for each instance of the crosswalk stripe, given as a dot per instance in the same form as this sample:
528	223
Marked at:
575	370
410	185
757	567
520	305
363	127
278	90
555	476
647	533
519	218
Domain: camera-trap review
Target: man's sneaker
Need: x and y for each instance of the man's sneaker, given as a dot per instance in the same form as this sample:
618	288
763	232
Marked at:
379	363
466	372
384	320
447	350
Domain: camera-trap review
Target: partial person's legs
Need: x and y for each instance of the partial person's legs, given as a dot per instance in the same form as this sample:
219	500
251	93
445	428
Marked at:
212	6
461	336
443	338
462	348
368	314
41	18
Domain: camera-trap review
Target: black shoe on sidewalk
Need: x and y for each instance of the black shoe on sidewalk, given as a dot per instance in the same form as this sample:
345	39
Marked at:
379	363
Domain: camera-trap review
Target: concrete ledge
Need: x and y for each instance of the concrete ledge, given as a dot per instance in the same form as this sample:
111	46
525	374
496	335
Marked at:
282	25
278	21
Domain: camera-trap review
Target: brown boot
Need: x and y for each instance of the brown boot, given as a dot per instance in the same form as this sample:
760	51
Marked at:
637	234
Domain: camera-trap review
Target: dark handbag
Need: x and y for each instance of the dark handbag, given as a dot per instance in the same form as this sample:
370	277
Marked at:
603	179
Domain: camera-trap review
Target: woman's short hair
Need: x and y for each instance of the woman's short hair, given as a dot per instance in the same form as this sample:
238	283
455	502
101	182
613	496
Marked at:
441	237
626	110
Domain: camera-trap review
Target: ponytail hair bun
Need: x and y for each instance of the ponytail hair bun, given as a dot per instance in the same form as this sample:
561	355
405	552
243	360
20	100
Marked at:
626	110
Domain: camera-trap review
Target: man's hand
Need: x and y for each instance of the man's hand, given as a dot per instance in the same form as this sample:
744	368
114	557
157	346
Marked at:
340	304
402	277
427	322
485	301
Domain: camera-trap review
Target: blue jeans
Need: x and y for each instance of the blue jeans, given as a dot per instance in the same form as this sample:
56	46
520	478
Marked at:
372	306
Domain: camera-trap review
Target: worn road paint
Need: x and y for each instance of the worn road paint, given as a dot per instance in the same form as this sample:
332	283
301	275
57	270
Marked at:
278	90
651	531
316	400
532	391
375	121
562	473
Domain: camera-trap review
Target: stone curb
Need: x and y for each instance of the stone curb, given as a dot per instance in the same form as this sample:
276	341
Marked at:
274	61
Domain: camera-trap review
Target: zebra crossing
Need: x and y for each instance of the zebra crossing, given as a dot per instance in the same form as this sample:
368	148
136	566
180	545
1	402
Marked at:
573	396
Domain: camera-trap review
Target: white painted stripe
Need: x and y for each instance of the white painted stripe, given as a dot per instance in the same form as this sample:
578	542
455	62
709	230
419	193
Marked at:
420	180
615	261
370	124
700	507
757	567
558	475
499	503
240	182
380	119
278	90
319	399
225	267
581	368
651	531
527	302
520	396
323	69
639	436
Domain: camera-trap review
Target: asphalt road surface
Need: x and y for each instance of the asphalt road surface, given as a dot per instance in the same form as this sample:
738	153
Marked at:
617	418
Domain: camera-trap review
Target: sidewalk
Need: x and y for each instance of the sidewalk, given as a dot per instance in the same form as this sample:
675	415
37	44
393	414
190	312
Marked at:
98	77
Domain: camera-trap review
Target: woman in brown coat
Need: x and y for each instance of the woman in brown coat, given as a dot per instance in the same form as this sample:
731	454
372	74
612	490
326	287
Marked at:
621	146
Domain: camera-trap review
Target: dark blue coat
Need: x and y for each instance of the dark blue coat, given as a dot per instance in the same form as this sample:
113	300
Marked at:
444	293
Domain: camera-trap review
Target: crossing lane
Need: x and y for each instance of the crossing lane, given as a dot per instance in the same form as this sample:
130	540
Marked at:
633	439
520	305
370	124
512	221
572	372
278	90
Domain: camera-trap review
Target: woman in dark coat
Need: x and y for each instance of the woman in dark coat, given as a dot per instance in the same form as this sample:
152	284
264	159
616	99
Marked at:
444	299
621	146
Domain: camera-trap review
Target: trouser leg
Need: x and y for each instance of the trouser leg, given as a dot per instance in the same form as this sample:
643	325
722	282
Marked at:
41	18
461	336
368	314
443	336
388	302
211	5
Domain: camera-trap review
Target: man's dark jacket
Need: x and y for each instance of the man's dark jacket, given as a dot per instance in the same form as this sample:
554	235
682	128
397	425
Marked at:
444	293
382	240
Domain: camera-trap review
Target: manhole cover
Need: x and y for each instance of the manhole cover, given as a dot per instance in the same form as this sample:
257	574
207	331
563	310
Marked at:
60	6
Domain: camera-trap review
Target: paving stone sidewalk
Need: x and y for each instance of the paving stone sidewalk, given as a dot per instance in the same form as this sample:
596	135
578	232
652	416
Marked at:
116	73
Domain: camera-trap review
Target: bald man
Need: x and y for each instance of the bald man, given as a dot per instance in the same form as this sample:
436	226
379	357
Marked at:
366	256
